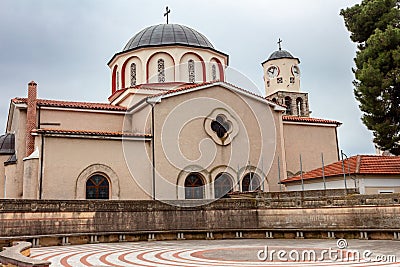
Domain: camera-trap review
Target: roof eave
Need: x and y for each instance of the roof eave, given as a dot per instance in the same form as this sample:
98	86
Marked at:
265	61
147	46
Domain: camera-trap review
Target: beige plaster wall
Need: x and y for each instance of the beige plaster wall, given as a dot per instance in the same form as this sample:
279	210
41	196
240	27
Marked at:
30	180
14	173
13	182
309	141
81	120
182	142
69	162
140	120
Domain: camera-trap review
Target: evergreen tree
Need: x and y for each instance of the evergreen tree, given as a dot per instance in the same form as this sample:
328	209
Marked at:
374	26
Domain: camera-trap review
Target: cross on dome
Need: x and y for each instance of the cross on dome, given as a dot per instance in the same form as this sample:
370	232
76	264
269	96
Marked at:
166	14
279	43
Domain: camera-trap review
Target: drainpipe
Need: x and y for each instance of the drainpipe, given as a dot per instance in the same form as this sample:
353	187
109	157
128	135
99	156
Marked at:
41	167
153	151
153	101
41	155
301	174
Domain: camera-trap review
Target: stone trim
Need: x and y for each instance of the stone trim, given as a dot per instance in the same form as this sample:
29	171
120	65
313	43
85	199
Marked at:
80	187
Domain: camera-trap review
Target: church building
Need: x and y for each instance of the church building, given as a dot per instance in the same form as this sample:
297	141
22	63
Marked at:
173	128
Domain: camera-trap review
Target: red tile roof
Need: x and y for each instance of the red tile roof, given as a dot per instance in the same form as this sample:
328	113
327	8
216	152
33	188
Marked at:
361	164
309	120
147	86
181	88
71	104
88	133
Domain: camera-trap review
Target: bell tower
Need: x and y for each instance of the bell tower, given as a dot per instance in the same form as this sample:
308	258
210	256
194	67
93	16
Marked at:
282	82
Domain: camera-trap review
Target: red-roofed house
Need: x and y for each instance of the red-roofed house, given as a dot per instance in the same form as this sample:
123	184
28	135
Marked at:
173	128
369	173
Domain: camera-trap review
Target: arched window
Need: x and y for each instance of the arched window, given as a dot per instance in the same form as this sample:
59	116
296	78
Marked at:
133	74
299	106
223	185
288	103
192	74
251	182
114	79
97	187
214	72
117	80
161	70
194	186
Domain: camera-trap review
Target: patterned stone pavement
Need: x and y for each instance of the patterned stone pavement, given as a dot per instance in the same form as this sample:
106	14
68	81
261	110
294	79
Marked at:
222	253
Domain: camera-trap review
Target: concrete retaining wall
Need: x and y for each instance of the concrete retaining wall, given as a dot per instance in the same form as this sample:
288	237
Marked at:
281	216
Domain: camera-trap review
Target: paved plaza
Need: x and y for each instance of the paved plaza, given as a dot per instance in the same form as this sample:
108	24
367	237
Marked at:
225	253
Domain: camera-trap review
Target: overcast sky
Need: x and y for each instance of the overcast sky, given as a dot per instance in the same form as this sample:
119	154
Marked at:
64	46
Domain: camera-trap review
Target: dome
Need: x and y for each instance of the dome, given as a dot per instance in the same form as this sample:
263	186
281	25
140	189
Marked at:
168	34
280	54
7	144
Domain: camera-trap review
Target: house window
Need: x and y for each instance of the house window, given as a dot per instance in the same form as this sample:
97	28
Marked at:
386	191
97	187
133	74
223	185
220	126
291	79
161	70
251	182
192	74
279	80
214	72
194	186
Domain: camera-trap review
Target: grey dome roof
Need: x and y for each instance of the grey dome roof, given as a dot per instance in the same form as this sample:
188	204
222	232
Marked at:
280	54
168	34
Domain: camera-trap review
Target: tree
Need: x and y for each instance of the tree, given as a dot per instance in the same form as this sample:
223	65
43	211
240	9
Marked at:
374	26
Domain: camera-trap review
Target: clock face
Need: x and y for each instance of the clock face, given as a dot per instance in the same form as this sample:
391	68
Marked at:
272	72
296	70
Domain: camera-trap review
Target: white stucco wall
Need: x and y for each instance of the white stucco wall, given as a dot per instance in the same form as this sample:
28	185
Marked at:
367	184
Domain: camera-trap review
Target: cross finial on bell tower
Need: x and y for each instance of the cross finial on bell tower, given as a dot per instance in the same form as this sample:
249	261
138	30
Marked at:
166	14
279	43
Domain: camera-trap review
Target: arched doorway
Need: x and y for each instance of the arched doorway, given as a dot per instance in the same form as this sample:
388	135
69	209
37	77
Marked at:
251	182
194	186
222	185
97	187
